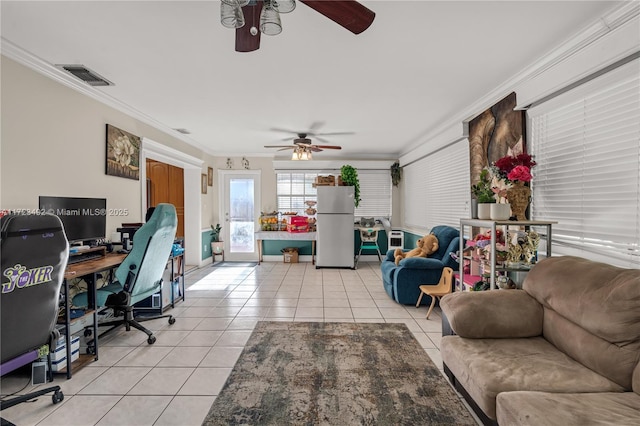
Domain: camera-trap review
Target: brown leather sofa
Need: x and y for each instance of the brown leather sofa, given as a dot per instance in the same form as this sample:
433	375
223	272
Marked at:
565	350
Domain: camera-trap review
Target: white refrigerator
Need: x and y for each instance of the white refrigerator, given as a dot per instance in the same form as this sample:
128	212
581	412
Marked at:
334	226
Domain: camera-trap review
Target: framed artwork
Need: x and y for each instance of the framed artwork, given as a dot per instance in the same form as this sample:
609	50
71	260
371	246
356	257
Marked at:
123	153
494	133
210	176
203	184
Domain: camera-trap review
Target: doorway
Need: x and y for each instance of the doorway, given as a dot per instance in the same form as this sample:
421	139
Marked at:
165	184
240	209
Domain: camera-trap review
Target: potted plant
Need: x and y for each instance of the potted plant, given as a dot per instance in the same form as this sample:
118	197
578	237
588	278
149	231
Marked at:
484	195
396	173
349	176
216	243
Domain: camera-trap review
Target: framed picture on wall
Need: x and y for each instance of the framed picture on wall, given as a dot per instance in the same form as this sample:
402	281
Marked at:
123	153
203	184
210	176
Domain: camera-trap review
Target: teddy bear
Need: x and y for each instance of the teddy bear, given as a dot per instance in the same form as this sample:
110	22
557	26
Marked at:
425	246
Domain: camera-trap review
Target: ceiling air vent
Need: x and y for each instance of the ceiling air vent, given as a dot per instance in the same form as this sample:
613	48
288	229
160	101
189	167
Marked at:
85	74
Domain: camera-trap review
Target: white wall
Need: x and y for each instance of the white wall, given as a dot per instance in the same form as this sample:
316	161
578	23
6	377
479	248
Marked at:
53	143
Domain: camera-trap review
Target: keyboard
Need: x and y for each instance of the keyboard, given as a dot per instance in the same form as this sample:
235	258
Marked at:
83	257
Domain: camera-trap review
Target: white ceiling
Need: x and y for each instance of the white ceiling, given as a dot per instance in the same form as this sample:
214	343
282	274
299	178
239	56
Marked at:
421	63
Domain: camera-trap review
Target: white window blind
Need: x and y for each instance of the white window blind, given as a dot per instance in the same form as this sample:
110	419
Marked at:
293	189
587	146
296	187
375	193
437	188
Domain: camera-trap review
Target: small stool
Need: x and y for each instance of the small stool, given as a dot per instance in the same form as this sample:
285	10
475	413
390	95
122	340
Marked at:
441	289
213	256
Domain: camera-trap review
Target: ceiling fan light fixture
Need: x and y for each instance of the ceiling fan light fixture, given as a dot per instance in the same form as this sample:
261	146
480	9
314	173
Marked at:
231	15
270	20
300	153
283	6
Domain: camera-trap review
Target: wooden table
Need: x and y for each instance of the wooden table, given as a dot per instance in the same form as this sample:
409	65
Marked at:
90	269
289	236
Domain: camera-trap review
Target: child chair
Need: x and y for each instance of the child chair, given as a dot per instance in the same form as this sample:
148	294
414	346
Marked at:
438	290
368	240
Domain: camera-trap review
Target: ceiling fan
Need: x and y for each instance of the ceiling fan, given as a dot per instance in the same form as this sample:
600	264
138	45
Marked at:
347	13
303	146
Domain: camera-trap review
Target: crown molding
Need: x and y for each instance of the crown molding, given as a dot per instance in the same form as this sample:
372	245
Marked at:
450	132
43	67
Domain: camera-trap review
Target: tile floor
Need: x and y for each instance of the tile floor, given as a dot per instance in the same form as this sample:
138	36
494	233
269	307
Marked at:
175	381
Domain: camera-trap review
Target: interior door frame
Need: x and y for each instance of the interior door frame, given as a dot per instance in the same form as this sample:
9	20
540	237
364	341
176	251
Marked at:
257	202
192	167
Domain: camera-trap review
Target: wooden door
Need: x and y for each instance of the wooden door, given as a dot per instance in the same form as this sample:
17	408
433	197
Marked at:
166	185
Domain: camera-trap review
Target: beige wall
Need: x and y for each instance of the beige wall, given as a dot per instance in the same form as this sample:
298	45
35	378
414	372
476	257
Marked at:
53	143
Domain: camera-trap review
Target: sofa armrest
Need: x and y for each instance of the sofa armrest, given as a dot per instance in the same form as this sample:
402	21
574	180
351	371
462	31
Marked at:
493	314
389	256
453	247
421	263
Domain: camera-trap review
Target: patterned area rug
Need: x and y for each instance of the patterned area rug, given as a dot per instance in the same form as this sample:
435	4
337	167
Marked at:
310	373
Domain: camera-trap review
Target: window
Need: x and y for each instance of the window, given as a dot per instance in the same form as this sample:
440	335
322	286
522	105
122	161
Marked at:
296	187
375	193
436	190
293	189
587	146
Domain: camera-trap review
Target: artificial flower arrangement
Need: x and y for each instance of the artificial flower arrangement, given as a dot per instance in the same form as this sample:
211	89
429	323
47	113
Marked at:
507	170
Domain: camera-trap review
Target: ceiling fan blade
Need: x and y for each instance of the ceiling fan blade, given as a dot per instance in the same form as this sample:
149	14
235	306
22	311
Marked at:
327	146
245	41
315	149
332	133
279	146
315	125
348	13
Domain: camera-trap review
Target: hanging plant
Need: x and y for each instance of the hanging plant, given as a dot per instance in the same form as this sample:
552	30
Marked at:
396	173
349	176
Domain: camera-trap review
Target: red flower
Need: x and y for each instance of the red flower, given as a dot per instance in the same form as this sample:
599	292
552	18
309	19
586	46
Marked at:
508	163
521	173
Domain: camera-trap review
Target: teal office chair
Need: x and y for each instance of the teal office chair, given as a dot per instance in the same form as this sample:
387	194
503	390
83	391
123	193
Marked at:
140	274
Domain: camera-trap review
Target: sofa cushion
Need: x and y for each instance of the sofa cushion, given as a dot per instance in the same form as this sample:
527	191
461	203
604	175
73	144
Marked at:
592	312
566	409
493	314
486	367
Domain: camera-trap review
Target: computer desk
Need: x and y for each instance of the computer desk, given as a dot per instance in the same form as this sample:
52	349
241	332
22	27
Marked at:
88	270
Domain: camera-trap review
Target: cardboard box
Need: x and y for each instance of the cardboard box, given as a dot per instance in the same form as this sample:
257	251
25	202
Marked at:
325	180
60	353
290	254
297	224
61	364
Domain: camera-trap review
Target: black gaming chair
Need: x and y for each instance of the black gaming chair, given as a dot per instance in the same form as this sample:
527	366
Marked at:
34	253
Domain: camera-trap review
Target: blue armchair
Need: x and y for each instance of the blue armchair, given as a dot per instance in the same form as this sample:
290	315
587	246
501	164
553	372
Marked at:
402	282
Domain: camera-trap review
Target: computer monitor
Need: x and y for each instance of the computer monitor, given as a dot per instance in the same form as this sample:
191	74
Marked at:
84	219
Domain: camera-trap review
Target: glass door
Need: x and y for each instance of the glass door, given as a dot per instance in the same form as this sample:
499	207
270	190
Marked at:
240	213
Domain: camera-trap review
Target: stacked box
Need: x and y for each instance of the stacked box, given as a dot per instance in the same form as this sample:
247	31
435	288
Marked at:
59	355
297	224
325	181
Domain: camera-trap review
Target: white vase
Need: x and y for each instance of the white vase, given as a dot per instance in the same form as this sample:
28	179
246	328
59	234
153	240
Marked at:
484	210
500	211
